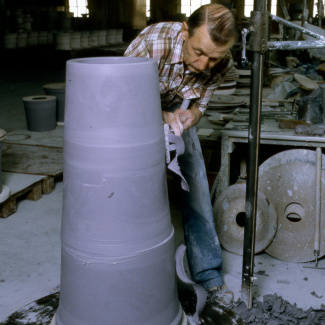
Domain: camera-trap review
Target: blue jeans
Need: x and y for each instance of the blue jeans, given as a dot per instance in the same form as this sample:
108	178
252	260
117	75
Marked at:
203	247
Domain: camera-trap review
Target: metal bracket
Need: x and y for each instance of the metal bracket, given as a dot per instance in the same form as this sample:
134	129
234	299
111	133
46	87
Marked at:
259	29
319	41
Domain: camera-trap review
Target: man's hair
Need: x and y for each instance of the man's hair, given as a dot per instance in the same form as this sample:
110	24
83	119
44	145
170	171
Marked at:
220	22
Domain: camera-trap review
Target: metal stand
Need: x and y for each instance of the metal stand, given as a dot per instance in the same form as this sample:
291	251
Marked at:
259	44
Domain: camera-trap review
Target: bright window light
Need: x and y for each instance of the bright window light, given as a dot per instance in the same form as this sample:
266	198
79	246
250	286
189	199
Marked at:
78	7
188	6
148	8
249	6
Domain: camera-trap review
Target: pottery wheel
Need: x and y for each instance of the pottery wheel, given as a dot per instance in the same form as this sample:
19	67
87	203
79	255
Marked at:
229	217
287	179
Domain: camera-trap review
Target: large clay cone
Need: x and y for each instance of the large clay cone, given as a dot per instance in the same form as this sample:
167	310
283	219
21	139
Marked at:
117	238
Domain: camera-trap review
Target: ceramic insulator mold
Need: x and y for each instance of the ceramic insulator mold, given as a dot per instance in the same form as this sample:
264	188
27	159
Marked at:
118	264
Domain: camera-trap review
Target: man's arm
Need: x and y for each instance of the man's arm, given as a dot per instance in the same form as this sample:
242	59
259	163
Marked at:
181	120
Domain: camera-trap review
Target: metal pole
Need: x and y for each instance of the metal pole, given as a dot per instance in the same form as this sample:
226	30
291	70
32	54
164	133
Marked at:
258	44
318	182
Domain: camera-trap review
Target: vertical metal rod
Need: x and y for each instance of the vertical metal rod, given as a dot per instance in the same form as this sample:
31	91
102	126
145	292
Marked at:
252	178
254	131
320	12
318	182
303	14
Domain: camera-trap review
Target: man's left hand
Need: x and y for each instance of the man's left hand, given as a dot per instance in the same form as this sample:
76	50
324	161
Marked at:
189	117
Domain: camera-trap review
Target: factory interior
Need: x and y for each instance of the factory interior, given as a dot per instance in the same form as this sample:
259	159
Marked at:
286	91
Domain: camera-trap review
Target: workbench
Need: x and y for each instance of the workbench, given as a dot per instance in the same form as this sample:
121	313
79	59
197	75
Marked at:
271	134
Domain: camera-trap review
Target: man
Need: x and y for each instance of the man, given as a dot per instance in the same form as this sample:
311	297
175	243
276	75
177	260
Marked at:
193	60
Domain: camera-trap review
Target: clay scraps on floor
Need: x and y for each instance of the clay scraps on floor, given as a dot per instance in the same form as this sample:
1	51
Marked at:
274	310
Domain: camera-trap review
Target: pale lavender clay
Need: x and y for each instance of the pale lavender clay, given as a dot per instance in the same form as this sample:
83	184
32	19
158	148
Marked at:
118	262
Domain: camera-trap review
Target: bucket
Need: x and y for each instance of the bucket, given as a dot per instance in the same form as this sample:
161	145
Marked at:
32	39
111	36
22	39
119	36
50	38
84	40
40	111
75	40
93	38
102	37
42	38
63	41
57	90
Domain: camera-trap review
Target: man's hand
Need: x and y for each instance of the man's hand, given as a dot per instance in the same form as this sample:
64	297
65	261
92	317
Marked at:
181	120
173	119
190	117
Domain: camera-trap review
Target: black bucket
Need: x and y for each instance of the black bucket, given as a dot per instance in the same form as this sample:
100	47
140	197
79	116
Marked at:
40	112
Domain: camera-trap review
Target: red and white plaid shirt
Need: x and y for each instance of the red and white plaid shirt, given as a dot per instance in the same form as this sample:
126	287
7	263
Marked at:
164	42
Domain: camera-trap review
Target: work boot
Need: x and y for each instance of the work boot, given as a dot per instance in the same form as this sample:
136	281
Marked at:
221	294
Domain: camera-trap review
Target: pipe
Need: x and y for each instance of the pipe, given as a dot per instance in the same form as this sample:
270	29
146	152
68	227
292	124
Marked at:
252	179
296	27
318	182
258	43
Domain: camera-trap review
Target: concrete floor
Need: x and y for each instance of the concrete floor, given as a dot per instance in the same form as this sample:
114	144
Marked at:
30	238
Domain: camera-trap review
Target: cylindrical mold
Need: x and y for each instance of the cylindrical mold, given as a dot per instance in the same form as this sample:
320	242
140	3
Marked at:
117	263
22	39
119	36
111	37
42	38
10	41
102	34
93	38
75	40
84	40
50	38
40	111
32	39
57	90
63	41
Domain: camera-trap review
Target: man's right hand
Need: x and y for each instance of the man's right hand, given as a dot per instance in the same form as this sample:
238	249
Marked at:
173	119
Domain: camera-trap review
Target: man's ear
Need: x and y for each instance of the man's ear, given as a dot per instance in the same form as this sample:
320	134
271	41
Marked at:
184	31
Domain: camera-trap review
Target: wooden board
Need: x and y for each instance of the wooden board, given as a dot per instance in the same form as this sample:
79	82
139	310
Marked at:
20	185
36	160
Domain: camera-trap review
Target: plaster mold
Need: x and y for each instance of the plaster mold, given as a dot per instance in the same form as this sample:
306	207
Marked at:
118	263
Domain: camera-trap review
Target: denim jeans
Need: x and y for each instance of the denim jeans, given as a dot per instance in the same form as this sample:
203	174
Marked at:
203	247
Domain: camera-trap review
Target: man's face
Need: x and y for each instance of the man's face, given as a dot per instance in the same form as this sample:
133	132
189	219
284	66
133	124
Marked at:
199	51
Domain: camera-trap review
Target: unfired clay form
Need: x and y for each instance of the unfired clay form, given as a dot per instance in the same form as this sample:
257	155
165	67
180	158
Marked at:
118	263
40	112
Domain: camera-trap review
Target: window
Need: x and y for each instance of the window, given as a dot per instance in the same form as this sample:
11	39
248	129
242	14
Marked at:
148	8
249	6
315	9
78	7
188	6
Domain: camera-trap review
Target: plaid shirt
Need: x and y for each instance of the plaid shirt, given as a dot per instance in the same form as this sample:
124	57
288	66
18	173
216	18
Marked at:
164	42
